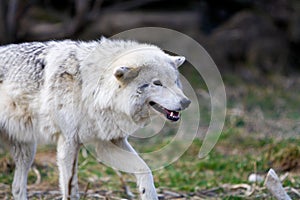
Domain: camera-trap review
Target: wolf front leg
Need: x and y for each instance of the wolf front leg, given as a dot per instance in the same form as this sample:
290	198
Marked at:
120	155
67	158
23	155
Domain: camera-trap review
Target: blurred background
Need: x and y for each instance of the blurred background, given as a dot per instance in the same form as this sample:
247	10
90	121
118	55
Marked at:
262	33
254	43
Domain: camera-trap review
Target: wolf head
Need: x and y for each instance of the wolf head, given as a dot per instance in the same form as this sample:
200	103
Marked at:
149	83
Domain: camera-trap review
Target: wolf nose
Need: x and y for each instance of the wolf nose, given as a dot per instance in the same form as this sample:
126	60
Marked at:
185	103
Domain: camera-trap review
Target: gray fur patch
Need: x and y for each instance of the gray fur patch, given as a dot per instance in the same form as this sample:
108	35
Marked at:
23	63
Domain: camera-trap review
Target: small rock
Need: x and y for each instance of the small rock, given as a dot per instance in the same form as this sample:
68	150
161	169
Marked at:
255	178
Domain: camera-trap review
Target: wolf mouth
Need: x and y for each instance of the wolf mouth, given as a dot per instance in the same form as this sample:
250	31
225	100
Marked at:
171	115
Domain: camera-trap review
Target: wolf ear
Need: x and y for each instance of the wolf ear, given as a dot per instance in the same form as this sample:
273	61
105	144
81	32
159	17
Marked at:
178	60
126	73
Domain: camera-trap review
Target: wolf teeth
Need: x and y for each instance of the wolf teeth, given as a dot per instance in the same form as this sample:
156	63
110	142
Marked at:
171	115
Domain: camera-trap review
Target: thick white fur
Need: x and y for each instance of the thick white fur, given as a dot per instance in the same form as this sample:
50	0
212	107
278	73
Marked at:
77	92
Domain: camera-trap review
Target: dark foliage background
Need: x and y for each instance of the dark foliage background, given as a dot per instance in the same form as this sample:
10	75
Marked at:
243	36
255	44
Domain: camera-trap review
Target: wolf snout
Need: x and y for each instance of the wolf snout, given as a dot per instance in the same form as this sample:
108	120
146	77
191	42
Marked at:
185	103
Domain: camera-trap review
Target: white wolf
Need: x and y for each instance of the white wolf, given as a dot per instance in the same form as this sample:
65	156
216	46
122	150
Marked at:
77	92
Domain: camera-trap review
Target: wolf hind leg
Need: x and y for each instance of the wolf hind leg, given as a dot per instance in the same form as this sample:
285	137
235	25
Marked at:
23	154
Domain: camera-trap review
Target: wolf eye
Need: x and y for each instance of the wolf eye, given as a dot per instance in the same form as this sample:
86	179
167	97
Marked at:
157	83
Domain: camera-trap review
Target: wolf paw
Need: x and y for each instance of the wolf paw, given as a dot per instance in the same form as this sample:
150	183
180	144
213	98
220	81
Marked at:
148	193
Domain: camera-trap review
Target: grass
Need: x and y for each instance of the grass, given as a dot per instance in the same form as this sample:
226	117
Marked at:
264	133
226	164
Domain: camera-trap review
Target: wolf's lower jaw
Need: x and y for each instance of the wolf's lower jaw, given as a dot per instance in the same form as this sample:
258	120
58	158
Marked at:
169	114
